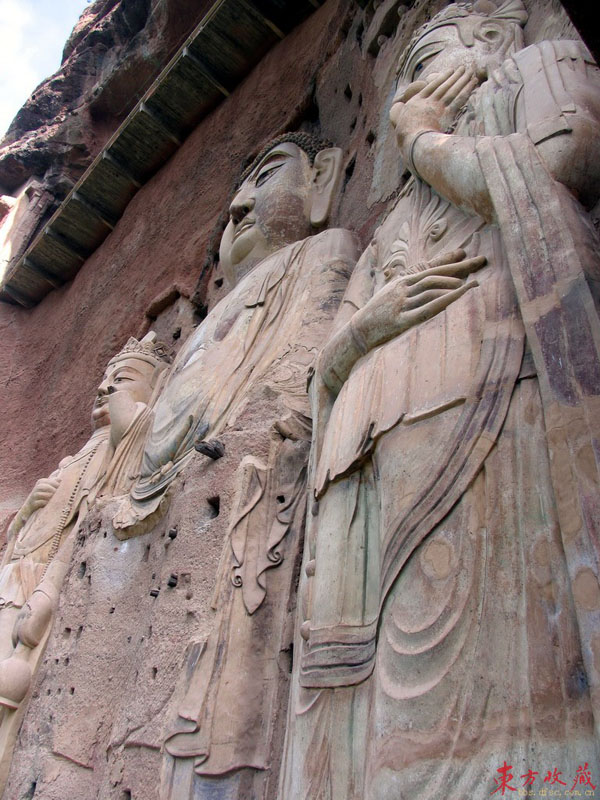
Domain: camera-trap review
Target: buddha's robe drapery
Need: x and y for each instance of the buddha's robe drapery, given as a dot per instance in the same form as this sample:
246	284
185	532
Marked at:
256	333
263	336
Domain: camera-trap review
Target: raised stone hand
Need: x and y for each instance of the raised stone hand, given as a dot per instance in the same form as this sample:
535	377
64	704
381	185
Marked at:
34	617
28	631
428	292
402	303
430	106
39	496
41	493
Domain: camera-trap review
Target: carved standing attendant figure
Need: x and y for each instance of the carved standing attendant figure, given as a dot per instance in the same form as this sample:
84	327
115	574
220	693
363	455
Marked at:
447	621
42	535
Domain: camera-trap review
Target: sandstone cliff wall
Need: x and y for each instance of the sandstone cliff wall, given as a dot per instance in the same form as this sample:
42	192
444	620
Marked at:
112	55
333	75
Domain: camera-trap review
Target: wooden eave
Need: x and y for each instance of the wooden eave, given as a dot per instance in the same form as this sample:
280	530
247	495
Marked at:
230	40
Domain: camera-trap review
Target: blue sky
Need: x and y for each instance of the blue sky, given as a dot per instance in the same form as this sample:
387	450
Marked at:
32	36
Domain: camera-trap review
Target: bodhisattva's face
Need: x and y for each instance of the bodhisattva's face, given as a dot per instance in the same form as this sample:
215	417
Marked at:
132	375
441	49
270	210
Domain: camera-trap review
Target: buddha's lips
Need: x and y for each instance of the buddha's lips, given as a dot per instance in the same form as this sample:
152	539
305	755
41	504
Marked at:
243	226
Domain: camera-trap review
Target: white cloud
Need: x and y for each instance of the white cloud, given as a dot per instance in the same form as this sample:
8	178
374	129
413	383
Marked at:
32	37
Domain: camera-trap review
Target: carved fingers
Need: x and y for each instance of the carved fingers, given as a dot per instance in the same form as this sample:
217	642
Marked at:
33	619
431	106
405	94
438	87
461	90
433	289
430	289
440	81
447	258
42	492
431	302
400	304
443	267
451	86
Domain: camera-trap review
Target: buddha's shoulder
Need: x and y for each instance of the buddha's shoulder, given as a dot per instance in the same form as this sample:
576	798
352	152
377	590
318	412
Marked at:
333	243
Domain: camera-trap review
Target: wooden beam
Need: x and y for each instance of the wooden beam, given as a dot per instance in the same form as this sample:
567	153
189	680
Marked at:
63	241
18	297
160	124
259	14
53	280
205	73
93	210
114	162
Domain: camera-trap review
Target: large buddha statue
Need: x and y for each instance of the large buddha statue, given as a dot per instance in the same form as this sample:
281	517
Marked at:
246	367
273	258
42	535
450	598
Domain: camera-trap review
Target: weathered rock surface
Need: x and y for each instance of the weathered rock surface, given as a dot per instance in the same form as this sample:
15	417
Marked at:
332	75
157	255
112	55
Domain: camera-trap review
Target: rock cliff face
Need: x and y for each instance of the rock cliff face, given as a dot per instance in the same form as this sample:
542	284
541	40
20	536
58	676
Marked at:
134	614
339	89
112	55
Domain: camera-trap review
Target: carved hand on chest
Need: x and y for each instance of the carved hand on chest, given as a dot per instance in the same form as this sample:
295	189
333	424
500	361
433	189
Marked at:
405	301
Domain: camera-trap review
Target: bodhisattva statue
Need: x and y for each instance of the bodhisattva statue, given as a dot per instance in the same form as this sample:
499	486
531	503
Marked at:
254	349
450	599
42	535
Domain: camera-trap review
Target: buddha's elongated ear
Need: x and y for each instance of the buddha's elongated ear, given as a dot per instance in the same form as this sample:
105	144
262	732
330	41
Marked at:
327	171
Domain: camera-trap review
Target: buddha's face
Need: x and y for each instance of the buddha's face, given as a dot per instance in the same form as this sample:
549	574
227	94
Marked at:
132	375
270	209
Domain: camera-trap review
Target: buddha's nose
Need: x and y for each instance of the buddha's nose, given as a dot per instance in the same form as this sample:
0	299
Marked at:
103	388
242	204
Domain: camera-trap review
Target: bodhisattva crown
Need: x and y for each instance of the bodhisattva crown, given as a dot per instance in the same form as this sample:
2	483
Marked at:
147	349
510	10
